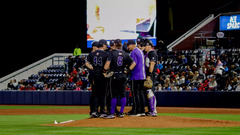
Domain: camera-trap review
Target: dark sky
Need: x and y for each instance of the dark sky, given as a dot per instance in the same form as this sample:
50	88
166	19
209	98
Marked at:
34	30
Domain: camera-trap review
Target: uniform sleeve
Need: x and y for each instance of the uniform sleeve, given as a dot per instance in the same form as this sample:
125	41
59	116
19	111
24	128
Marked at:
129	59
109	57
152	56
134	56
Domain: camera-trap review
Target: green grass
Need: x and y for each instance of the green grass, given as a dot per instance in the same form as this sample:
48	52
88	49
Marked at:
232	117
33	125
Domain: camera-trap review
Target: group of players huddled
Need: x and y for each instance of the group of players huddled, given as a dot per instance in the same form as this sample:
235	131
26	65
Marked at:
140	64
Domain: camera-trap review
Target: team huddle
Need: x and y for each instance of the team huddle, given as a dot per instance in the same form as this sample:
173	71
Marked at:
108	77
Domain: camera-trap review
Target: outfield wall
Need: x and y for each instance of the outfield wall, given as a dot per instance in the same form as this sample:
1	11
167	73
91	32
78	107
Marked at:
176	99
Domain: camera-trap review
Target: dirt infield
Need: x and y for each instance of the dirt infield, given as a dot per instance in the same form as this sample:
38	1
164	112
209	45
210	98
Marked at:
149	122
138	122
86	111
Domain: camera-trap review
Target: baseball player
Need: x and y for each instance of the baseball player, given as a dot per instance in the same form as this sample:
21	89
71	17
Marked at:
151	67
117	62
108	94
90	76
138	77
95	61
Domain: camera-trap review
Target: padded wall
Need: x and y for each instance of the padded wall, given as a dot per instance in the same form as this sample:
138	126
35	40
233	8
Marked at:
178	99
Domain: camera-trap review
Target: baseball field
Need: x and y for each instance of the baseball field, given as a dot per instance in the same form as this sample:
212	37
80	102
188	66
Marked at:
29	119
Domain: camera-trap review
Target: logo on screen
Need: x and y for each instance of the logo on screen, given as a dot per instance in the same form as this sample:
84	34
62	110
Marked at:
233	24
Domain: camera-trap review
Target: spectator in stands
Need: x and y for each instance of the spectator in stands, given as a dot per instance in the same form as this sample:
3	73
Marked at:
234	83
201	87
159	66
187	69
45	79
41	78
210	70
212	84
172	77
78	61
237	68
218	73
184	59
211	62
73	72
159	87
194	68
181	80
217	46
70	64
77	51
162	47
195	76
160	80
193	88
45	87
73	78
15	84
54	87
224	58
238	87
10	85
79	83
30	87
225	68
179	59
77	87
22	87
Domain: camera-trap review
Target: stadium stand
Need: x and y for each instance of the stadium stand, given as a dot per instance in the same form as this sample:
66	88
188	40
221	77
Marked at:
186	70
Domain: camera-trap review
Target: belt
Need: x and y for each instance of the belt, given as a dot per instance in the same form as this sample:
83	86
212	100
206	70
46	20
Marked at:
119	72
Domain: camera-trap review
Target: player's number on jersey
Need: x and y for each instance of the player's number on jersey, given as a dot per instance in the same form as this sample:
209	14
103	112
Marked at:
97	61
120	61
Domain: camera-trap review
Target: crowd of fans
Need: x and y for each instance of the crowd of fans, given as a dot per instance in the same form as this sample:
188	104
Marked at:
220	73
176	71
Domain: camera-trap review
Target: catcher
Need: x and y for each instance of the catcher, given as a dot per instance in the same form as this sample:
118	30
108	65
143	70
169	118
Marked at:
118	61
151	67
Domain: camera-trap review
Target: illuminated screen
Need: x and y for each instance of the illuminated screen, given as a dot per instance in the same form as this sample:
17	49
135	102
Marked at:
120	19
229	22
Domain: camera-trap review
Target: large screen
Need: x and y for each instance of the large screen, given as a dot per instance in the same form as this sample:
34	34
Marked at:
120	19
229	22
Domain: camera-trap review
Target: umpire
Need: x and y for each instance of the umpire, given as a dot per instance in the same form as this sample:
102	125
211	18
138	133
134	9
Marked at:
117	62
95	61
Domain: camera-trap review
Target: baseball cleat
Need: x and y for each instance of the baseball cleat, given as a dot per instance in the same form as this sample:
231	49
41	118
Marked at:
120	115
103	115
94	115
110	117
152	114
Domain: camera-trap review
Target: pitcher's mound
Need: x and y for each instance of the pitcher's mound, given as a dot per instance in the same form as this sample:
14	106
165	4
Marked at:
149	122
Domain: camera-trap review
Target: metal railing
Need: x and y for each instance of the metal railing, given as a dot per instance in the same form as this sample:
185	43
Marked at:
54	59
191	31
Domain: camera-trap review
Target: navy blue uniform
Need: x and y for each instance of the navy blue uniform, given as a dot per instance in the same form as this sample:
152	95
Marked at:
118	61
97	59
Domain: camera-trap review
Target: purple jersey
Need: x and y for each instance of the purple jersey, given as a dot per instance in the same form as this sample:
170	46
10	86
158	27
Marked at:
138	72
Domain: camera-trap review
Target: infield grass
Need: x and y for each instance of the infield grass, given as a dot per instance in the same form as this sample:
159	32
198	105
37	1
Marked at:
33	125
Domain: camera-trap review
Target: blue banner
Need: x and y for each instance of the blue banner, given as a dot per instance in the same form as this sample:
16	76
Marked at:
229	22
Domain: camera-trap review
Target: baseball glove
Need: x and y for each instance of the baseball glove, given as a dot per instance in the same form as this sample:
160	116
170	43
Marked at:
148	83
108	74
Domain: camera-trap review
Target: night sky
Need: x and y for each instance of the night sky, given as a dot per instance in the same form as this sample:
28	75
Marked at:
34	30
